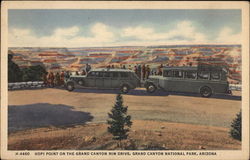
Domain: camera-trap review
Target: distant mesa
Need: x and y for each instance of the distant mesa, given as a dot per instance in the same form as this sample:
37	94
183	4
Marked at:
74	59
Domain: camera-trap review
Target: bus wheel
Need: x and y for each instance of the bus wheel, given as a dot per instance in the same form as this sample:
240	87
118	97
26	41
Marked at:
70	87
125	88
206	91
151	88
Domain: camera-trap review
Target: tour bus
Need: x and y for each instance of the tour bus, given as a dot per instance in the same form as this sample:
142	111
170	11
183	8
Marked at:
203	80
105	79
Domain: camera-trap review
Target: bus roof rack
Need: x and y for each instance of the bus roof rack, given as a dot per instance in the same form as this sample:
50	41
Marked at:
208	67
201	67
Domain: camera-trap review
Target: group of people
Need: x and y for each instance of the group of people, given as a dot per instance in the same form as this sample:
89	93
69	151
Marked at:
142	71
58	79
50	79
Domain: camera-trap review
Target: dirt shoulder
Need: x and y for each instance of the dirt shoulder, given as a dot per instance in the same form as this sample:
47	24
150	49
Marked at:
143	135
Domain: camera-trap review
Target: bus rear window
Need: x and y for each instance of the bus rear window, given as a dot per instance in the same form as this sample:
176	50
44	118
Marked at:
203	75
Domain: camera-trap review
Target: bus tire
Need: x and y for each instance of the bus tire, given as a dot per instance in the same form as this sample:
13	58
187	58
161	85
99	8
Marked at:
206	91
70	86
151	88
125	88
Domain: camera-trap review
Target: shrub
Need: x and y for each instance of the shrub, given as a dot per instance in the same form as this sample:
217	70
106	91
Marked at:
236	126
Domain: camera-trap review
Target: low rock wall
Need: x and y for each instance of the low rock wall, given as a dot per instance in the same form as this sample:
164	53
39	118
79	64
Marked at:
25	85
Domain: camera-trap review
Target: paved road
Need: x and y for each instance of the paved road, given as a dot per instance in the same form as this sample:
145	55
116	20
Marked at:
51	106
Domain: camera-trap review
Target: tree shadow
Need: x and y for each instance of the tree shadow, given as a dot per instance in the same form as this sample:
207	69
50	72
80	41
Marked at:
44	114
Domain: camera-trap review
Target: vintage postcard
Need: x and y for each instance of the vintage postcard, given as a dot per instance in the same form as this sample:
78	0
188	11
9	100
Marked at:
124	80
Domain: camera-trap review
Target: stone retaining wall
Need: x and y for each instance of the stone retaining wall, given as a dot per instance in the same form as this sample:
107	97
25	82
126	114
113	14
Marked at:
25	85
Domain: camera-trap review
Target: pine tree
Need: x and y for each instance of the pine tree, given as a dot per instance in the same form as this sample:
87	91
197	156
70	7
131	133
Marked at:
236	126
119	122
14	72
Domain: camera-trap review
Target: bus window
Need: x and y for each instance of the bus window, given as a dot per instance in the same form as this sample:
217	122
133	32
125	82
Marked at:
124	74
114	74
92	74
107	74
167	73
203	75
177	74
215	76
99	74
190	75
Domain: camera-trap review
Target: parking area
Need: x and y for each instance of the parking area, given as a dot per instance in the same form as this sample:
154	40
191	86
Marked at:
54	106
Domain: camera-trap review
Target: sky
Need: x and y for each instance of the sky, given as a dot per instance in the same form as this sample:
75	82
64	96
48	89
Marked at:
123	27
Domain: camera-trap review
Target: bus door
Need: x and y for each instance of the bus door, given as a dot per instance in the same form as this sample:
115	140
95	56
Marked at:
107	80
177	83
99	81
90	79
173	80
190	83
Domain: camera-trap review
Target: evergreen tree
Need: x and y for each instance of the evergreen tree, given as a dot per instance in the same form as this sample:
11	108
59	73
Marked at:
14	72
33	73
119	122
236	126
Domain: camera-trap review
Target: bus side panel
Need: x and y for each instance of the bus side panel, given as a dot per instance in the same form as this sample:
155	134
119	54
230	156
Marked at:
181	85
193	86
216	86
219	87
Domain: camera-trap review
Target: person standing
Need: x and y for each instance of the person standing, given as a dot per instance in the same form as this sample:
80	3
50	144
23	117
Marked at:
160	70
139	71
88	68
136	70
62	78
147	71
143	71
57	79
51	79
45	80
66	76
